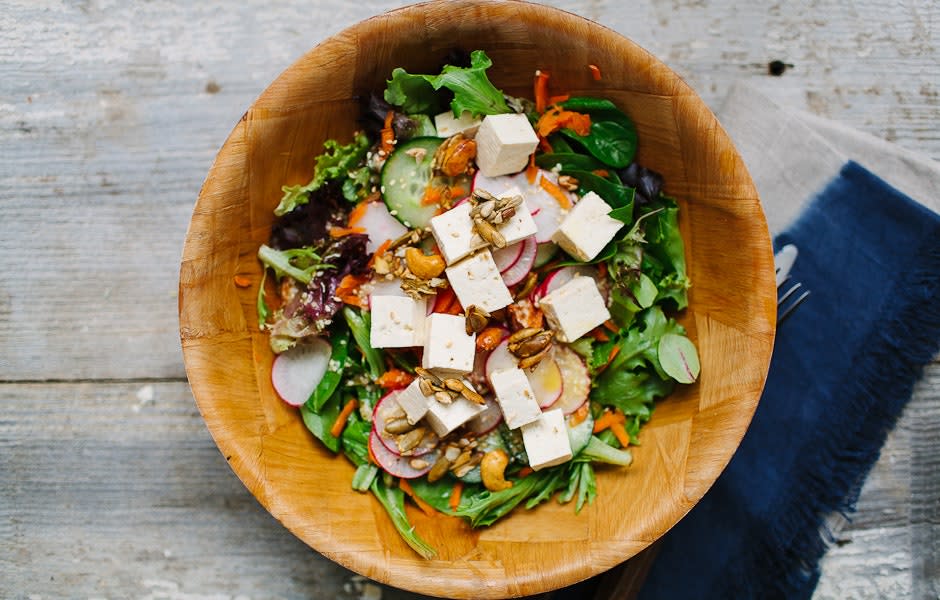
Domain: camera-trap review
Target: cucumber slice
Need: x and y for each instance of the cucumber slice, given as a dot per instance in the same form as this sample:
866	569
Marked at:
580	434
405	180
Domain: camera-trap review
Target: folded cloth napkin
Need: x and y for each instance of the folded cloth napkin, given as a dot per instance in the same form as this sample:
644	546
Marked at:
843	368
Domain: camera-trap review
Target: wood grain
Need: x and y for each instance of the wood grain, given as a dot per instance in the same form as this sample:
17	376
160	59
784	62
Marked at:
110	116
267	446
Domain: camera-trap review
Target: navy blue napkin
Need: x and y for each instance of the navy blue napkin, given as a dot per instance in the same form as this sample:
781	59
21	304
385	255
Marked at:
844	366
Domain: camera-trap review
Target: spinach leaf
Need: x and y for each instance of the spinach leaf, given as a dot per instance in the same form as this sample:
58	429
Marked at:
355	439
567	161
320	422
613	193
665	252
486	507
334	374
392	500
359	323
608	141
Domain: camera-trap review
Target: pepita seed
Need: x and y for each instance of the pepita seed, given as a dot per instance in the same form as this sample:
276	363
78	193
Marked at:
523	334
531	361
454	385
398	426
489	233
443	397
439	469
410	440
418	463
472	396
532	345
451	453
425	386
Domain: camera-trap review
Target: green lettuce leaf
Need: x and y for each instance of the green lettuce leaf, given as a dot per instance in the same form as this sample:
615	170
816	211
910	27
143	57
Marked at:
335	162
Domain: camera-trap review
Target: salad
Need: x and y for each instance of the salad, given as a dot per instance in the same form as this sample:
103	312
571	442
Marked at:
473	299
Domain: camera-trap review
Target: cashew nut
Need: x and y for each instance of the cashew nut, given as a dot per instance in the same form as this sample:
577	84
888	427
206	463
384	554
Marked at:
424	266
492	470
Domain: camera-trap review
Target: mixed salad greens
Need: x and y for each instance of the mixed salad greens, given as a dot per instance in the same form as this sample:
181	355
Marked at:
361	228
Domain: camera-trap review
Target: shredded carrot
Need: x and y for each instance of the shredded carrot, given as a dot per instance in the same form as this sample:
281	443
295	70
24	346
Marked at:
545	146
607	419
599	334
338	232
432	195
444	299
541	91
611	326
525	472
457	192
388	134
454	501
601	172
242	281
357	213
556	192
380	251
579	415
610	358
394	379
621	433
595	72
424	506
558	99
489	338
340	423
348	290
555	118
531	171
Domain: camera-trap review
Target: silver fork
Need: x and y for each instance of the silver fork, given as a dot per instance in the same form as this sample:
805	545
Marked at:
786	303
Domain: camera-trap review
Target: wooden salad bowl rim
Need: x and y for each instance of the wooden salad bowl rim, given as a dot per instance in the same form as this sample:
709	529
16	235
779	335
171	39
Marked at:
692	434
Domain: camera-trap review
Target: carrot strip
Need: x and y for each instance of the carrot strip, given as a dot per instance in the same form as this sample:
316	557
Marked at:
556	192
457	192
545	146
555	118
531	171
424	506
242	281
394	379
432	195
380	251
348	290
525	472
558	99
601	172
541	91
608	419
621	433
599	334
454	501
595	72
340	423
357	213
338	232
388	134
610	358
579	415
611	326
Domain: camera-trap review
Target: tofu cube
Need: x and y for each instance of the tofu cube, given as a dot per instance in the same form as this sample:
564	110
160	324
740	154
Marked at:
587	228
476	280
504	143
413	402
447	124
444	418
453	232
575	308
515	397
447	347
397	321
546	440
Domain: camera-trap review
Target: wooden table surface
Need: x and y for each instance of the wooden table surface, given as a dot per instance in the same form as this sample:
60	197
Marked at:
110	115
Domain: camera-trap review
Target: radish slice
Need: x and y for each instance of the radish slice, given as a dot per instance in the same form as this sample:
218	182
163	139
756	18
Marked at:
546	382
487	420
507	257
388	407
400	466
297	372
500	359
518	271
558	278
379	225
577	381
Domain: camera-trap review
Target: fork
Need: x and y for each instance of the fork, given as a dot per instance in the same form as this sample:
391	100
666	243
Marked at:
786	303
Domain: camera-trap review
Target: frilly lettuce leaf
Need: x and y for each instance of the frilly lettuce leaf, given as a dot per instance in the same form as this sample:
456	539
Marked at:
335	162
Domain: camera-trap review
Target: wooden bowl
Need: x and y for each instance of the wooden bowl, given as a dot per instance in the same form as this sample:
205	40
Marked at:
692	434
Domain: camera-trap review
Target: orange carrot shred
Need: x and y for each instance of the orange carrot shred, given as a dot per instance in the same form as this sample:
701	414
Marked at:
531	171
545	146
357	213
454	501
599	334
457	192
432	195
541	91
338	232
424	506
340	423
388	134
380	251
621	433
555	118
611	326
394	379
595	72
601	172
556	192
558	99
525	472
579	415
242	281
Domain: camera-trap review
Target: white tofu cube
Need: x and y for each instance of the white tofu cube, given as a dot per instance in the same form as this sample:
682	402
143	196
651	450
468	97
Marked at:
546	440
447	124
587	228
519	226
515	397
413	402
504	143
447	347
445	418
476	280
575	308
453	232
397	321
